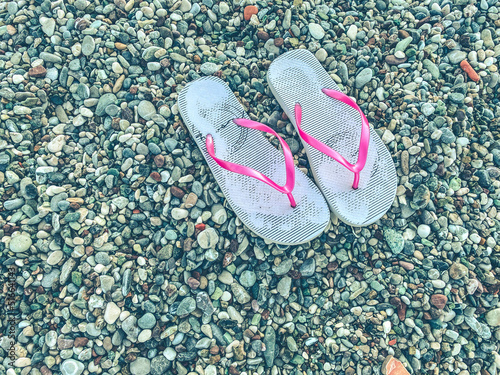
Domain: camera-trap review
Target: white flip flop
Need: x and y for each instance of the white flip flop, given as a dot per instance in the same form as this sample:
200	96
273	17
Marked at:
260	183
351	165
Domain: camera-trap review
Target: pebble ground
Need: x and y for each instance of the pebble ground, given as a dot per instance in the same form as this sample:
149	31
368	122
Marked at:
127	259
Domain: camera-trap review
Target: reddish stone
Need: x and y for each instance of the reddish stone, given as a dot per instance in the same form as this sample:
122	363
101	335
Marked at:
228	259
193	283
37	72
393	60
262	35
177	192
406	265
249	11
80	341
214	350
64	344
439	301
278	42
392	366
159	160
197	59
422	21
402	312
403	34
165	63
45	370
332	266
155	176
265	314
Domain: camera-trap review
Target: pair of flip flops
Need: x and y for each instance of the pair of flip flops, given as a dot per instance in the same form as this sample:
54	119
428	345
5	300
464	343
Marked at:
353	169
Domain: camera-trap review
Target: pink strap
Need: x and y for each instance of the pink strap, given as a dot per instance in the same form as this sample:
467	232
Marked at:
320	146
247	171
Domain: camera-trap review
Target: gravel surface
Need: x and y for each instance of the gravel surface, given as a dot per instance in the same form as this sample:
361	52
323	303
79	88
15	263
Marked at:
125	257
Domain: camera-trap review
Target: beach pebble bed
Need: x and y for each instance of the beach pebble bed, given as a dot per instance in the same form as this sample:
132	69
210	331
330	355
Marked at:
128	259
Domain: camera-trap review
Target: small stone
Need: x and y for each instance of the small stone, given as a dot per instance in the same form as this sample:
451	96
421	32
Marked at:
71	367
270	343
395	60
394	240
240	293
223	7
458	271
56	144
146	109
308	268
249	11
141	366
208	238
209	68
352	32
403	44
111	313
493	317
160	365
363	77
439	301
104	101
432	68
457	56
147	321
48	25
219	214
321	54
421	197
187	306
423	230
262	35
248	278
284	286
317	32
399	55
20	243
88	45
55	257
37	72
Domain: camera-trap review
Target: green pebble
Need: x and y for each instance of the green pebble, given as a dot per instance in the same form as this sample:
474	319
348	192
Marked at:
76	278
217	294
256	319
121	260
427	242
35	306
231	268
67	250
297	360
228	338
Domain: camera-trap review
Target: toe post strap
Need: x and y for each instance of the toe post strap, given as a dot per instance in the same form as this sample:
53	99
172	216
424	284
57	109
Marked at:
357	167
287	188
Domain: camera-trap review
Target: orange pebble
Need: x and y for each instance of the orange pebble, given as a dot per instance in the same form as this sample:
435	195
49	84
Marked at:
469	70
392	366
392	342
249	11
